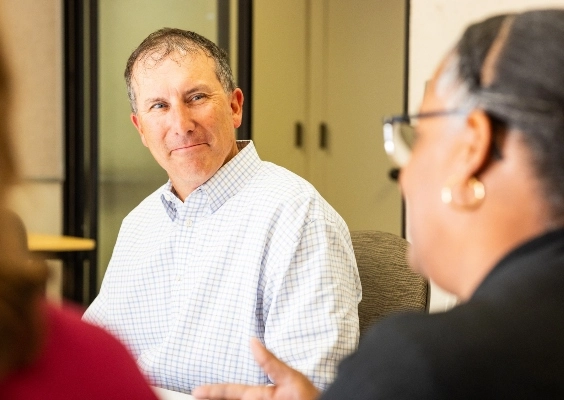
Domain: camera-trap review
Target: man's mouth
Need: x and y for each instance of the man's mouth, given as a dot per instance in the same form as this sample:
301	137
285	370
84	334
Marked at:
188	147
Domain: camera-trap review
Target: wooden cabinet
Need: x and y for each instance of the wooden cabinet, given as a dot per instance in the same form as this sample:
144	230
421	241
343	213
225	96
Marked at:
333	68
280	82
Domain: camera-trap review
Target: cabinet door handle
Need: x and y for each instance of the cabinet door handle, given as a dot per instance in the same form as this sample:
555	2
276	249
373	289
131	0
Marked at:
394	174
323	136
299	135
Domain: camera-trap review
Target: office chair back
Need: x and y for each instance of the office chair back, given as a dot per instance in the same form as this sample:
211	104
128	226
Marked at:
388	284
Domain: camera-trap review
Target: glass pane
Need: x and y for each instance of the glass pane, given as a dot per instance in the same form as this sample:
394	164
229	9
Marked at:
128	172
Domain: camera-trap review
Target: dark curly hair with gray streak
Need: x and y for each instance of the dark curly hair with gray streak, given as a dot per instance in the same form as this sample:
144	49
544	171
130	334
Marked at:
525	89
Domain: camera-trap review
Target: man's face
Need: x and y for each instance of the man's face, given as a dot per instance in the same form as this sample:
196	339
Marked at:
185	117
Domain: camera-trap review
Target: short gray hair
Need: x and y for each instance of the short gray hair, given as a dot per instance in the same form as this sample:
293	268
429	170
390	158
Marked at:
164	42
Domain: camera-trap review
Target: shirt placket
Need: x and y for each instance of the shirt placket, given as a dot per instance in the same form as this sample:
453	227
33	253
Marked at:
189	214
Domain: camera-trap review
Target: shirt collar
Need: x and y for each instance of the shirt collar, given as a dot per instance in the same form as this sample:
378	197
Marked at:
224	184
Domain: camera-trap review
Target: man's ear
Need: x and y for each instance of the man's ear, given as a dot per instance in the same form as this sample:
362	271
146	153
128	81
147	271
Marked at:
137	125
478	138
237	100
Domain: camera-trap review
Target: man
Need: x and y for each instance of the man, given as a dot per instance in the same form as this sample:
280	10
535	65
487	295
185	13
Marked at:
230	248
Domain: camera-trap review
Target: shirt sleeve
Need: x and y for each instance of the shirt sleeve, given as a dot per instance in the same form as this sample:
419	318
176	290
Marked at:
312	322
96	313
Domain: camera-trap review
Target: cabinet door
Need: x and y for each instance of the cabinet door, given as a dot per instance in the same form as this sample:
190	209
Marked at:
279	81
357	72
335	65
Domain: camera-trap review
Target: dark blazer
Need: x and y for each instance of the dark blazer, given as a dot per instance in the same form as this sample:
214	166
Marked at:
506	342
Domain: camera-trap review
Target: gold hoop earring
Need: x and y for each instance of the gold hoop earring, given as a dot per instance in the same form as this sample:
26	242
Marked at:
478	192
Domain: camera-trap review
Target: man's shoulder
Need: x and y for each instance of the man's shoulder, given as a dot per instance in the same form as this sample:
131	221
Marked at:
285	188
272	177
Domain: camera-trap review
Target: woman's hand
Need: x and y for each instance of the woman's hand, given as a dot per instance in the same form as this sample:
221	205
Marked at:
290	384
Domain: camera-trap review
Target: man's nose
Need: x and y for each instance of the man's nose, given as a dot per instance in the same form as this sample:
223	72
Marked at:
182	120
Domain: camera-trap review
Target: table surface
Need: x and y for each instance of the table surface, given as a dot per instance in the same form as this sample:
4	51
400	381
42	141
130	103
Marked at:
58	243
164	394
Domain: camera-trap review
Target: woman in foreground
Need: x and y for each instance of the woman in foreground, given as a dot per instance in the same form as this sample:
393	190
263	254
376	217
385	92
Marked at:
484	186
47	352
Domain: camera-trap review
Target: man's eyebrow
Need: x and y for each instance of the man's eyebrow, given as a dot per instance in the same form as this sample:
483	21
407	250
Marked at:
153	100
198	88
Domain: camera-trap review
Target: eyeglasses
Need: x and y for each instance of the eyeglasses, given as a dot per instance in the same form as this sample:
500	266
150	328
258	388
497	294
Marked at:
400	133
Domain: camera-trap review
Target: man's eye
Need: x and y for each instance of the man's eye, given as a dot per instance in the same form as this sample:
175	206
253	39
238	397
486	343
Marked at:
198	96
157	106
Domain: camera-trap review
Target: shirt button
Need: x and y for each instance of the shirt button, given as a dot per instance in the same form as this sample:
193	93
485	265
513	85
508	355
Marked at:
178	278
188	223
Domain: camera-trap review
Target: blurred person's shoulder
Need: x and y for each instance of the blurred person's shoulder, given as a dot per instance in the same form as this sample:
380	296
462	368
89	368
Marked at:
77	358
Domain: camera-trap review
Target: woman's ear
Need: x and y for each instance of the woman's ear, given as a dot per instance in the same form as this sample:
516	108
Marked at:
463	188
477	141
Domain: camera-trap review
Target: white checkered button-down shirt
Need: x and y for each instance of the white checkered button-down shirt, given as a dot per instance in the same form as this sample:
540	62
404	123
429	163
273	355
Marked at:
254	251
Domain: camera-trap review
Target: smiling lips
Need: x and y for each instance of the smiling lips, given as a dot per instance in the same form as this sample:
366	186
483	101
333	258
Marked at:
187	147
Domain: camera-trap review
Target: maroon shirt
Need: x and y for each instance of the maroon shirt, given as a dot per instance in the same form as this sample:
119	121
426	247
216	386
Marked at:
78	361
